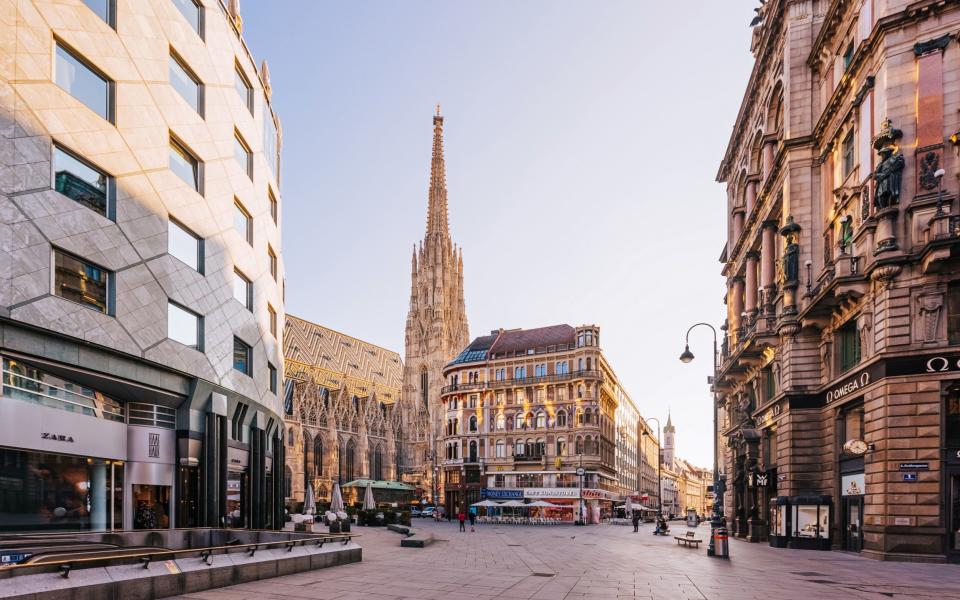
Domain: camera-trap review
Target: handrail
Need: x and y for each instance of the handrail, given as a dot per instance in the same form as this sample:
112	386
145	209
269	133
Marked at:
108	412
66	565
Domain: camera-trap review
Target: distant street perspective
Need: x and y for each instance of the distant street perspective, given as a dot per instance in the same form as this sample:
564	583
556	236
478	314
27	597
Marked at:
547	300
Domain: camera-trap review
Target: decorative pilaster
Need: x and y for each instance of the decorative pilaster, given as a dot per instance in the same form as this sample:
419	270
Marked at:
768	263
753	258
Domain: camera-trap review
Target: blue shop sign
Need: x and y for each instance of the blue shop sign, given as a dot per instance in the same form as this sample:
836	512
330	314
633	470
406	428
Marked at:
499	494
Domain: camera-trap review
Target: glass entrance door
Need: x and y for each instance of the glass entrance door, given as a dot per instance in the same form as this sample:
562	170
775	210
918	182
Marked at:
953	515
853	527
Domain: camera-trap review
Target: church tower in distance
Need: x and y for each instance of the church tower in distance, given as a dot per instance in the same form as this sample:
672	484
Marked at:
437	319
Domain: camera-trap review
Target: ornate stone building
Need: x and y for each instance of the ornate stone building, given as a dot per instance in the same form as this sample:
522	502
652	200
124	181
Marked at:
523	409
437	318
346	419
839	380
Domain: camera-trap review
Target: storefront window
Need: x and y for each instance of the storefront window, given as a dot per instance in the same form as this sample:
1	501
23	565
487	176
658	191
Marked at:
953	419
59	492
811	521
151	506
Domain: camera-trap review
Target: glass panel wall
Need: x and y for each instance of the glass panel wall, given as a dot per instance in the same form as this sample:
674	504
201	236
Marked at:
24	382
41	491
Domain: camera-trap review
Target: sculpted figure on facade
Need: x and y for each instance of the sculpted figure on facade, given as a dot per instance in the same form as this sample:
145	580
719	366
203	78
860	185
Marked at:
889	173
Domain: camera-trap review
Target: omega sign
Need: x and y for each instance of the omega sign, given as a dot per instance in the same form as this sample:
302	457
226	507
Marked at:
848	387
938	364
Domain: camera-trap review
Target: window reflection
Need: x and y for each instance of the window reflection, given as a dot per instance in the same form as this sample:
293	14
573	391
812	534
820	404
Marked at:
185	84
190	12
184	165
79	181
184	246
183	326
80	282
58	492
241	356
81	82
241	289
103	9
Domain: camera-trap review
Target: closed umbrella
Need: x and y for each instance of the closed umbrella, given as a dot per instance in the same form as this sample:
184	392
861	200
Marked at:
336	501
309	502
368	502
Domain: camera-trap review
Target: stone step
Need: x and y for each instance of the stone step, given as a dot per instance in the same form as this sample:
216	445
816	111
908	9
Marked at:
420	540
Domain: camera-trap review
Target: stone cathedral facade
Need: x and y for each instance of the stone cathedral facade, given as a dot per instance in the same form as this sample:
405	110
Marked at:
437	319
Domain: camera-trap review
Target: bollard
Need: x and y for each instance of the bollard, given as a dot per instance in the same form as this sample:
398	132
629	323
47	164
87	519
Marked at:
721	549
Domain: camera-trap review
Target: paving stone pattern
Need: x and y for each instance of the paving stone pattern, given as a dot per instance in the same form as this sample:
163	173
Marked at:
605	561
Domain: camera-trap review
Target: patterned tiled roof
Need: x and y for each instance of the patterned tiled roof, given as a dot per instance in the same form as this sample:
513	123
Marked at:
323	353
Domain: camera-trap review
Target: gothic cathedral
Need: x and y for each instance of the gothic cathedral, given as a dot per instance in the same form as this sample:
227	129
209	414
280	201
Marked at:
437	319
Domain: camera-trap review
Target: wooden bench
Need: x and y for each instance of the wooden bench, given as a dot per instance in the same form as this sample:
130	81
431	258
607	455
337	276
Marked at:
688	539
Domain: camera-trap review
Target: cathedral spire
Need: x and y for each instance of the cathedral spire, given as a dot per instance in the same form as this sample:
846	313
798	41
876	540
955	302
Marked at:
437	223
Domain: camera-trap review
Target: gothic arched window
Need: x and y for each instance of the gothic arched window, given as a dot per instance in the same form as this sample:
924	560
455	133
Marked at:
376	463
287	482
318	455
541	420
350	461
579	445
473	423
473	451
423	385
290	437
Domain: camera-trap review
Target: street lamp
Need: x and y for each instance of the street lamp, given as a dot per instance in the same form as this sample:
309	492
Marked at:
718	519
659	462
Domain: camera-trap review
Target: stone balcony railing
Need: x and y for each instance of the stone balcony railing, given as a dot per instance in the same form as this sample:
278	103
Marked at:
521	382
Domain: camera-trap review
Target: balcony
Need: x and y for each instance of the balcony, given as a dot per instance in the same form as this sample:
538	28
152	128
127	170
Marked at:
527	458
522	382
941	244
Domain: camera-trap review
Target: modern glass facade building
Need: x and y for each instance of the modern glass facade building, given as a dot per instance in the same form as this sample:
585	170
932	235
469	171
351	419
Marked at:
139	326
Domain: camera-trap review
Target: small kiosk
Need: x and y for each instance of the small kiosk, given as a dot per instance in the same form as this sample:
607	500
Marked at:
810	522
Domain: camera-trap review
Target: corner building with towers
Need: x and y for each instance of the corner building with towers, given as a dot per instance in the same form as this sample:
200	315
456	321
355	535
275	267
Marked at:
839	379
141	273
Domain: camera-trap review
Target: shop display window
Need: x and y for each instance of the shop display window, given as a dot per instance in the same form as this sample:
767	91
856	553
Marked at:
811	521
151	506
40	491
778	519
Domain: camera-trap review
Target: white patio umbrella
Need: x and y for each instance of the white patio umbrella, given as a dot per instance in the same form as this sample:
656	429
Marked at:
486	503
309	502
368	502
513	503
336	501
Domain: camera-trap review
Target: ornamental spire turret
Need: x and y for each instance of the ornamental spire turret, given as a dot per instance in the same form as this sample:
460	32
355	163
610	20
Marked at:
437	224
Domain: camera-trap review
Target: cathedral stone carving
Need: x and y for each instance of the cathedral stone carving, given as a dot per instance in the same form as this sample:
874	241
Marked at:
436	321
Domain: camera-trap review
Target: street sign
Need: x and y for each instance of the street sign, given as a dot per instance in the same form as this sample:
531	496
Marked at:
909	476
914	466
580	471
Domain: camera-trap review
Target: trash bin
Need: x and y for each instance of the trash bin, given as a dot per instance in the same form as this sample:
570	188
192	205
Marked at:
720	543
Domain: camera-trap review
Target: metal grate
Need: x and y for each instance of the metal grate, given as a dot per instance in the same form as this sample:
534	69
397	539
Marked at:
151	415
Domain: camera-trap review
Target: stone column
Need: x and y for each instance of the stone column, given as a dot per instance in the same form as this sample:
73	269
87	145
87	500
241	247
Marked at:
751	277
738	218
99	496
767	154
751	196
736	289
768	261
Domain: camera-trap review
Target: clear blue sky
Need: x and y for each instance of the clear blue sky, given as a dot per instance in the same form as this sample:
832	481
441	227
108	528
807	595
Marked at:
582	143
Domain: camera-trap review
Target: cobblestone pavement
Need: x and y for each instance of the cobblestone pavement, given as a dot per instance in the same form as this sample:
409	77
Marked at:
602	561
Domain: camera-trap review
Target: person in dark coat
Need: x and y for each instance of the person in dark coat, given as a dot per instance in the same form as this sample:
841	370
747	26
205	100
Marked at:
636	521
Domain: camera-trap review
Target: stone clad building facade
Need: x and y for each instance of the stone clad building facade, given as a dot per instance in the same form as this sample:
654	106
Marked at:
839	380
141	270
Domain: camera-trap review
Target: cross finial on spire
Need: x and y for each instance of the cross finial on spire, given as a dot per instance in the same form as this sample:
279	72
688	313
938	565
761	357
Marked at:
437	204
438	109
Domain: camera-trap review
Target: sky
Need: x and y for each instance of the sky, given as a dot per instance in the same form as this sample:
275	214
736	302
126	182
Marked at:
582	141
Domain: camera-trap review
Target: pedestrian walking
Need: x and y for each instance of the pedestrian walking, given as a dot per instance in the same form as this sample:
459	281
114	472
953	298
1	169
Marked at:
636	521
473	521
463	521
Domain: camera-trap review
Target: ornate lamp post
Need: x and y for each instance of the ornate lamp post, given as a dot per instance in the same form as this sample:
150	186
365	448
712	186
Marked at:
718	519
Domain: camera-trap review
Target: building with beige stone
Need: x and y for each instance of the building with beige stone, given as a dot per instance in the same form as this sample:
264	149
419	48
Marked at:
346	418
141	270
524	409
839	373
436	326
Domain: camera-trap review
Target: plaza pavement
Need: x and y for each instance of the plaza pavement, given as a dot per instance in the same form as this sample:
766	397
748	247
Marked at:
601	561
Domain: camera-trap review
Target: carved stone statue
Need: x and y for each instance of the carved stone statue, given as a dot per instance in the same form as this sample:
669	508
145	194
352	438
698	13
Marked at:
888	176
790	263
